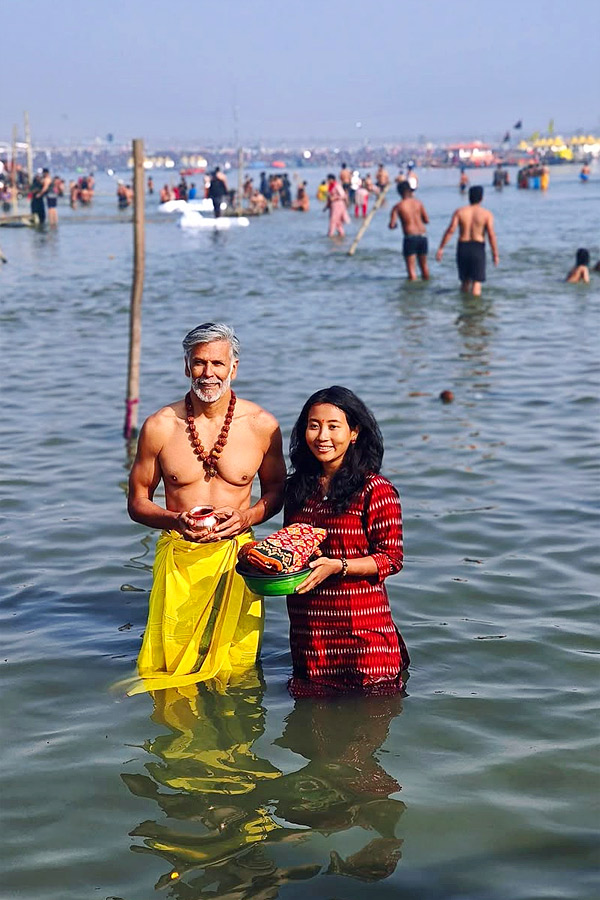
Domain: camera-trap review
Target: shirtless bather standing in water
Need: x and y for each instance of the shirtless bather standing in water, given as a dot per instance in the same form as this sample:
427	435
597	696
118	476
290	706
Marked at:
474	223
413	219
203	622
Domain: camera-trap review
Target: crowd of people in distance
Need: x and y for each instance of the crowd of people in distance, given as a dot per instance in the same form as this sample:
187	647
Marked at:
81	190
352	190
21	183
214	187
181	191
534	176
43	191
501	178
274	191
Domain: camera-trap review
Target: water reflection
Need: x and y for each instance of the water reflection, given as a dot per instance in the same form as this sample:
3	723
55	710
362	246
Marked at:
343	785
475	329
226	811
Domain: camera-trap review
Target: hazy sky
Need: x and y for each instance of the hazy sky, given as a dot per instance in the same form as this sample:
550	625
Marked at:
307	69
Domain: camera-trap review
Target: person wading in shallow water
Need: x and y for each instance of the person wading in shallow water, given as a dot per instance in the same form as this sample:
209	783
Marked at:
342	635
337	203
413	219
206	450
474	223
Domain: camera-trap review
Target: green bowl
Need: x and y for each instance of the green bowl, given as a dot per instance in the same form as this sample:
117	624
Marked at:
272	585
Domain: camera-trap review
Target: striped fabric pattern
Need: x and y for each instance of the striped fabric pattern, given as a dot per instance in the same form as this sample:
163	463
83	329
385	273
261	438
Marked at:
342	634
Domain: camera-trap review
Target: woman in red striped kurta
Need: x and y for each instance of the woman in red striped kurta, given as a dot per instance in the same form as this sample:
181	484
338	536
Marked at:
341	630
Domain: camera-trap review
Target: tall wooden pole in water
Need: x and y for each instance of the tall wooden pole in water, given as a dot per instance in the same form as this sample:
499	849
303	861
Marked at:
239	204
135	310
13	175
29	149
367	222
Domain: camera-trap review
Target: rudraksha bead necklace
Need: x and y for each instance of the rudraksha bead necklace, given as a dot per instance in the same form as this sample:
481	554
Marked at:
209	460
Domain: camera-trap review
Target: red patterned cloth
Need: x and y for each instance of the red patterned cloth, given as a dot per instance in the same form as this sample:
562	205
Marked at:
342	635
286	550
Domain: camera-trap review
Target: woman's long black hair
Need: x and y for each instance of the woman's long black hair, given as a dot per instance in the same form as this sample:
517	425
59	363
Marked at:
361	459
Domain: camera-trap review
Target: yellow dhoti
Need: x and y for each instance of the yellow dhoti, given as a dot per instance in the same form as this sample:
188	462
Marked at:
203	621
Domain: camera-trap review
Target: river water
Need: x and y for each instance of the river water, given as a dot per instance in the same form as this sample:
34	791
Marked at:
482	781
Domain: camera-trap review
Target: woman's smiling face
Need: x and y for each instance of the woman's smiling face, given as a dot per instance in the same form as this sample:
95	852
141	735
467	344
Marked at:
328	434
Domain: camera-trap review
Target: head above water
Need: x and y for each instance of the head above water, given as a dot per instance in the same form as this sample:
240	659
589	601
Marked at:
369	444
209	332
475	194
405	189
362	458
582	257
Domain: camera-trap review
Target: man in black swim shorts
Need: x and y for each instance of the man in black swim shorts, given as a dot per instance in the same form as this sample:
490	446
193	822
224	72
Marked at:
474	223
470	261
413	219
415	245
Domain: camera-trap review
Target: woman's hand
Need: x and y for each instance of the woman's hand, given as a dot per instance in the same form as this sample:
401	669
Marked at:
322	568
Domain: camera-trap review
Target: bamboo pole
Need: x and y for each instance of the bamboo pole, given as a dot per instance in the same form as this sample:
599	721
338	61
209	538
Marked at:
135	309
13	175
240	187
377	205
29	149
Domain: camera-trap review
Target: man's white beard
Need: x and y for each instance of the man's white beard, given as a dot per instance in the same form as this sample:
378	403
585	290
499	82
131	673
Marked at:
210	393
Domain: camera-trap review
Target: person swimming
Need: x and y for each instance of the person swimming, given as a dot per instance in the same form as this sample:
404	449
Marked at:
584	175
580	271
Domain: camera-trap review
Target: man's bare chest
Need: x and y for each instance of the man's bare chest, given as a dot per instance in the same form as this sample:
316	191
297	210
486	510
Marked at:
237	464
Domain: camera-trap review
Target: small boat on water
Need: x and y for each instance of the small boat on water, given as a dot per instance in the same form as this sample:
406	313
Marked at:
190	212
204	204
195	220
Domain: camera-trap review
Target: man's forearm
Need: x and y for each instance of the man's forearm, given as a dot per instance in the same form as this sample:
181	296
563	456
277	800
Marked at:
269	505
445	239
146	512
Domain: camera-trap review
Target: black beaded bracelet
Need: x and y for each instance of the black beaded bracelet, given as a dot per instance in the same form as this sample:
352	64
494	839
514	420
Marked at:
344	569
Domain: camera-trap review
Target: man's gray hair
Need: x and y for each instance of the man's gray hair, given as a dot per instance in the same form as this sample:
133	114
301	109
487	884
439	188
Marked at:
208	332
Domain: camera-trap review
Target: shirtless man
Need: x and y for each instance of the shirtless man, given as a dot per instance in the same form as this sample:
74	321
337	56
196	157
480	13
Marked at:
40	187
202	619
382	179
258	203
413	218
345	178
474	223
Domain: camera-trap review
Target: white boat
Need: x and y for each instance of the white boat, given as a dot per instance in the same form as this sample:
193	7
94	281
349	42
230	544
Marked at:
203	205
192	219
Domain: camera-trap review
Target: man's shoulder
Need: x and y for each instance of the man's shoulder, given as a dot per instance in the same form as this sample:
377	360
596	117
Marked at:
258	418
165	417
